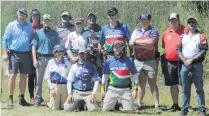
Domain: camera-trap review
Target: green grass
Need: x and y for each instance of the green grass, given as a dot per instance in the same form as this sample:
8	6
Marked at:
165	100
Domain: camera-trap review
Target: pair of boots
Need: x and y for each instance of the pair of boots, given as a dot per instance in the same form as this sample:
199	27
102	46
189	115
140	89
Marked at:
22	101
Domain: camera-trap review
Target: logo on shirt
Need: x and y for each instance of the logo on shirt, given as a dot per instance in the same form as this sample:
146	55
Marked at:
169	37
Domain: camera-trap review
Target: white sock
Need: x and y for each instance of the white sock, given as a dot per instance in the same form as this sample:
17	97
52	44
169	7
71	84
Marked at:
157	105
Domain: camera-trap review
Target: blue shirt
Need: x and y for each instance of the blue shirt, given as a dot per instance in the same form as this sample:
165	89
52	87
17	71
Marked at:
119	71
17	36
83	76
110	34
45	41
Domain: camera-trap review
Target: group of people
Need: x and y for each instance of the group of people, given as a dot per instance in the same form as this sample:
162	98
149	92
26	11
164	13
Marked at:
77	61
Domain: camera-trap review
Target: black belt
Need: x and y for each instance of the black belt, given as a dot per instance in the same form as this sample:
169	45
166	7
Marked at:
146	59
17	52
59	82
120	86
46	55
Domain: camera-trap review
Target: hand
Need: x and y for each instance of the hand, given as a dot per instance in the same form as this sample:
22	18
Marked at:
52	91
74	59
69	99
188	62
92	97
35	63
5	57
134	94
102	94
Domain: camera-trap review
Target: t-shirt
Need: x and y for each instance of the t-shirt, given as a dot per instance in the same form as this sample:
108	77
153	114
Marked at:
150	33
170	40
110	34
119	71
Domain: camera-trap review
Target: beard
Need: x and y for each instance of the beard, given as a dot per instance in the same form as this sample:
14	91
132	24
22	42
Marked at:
47	29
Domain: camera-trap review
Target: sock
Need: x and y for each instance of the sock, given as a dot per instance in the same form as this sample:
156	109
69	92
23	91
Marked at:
11	97
157	105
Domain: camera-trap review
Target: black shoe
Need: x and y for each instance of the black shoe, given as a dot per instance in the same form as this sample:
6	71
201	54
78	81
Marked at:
182	113
202	112
139	107
117	106
10	103
174	107
22	102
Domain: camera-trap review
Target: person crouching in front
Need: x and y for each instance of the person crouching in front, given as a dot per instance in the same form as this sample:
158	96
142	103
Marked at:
56	75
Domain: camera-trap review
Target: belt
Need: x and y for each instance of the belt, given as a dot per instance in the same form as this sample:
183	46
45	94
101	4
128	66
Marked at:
146	59
120	86
82	90
46	55
59	82
13	51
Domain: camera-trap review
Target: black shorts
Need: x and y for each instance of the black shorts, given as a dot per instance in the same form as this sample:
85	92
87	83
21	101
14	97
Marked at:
20	63
170	71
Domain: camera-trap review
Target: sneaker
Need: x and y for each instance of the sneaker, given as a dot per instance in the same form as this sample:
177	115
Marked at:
22	101
202	112
190	109
10	103
174	107
32	100
38	101
182	113
139	107
158	109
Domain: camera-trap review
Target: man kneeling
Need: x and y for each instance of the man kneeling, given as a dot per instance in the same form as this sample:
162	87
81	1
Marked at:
82	84
56	75
118	69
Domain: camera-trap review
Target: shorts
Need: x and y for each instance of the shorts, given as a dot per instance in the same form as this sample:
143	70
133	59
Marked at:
20	62
146	68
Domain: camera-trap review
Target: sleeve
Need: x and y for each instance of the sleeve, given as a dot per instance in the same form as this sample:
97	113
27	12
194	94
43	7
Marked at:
6	37
95	74
203	42
154	35
132	67
133	36
106	68
47	70
71	75
126	32
58	38
35	39
179	44
68	44
102	37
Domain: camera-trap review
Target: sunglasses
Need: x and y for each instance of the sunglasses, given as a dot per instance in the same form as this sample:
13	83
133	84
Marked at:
59	51
111	14
192	22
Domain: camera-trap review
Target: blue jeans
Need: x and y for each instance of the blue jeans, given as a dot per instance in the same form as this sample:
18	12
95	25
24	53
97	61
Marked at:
195	75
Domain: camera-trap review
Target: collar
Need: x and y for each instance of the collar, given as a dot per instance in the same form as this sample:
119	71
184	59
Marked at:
61	62
118	24
18	23
81	33
140	28
170	29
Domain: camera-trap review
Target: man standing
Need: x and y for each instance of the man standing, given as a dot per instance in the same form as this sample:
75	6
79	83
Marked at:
16	46
43	44
169	61
144	41
65	27
191	51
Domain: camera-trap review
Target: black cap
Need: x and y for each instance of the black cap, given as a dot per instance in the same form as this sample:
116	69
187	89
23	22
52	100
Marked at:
34	12
191	20
91	15
144	16
112	11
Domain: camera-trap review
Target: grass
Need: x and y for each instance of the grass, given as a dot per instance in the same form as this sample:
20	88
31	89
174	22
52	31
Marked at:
165	100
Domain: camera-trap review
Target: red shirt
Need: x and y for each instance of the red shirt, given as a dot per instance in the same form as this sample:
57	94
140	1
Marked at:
170	40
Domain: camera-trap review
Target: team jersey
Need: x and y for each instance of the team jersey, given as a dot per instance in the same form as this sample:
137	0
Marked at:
57	71
119	71
110	34
77	41
83	76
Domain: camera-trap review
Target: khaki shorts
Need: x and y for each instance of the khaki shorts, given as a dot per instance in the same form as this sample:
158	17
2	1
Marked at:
56	102
113	94
146	68
77	96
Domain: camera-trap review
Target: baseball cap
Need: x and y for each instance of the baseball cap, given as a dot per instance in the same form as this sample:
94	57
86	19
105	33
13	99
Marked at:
191	20
79	20
46	17
112	11
65	13
144	16
58	48
22	10
91	15
34	12
173	16
82	50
